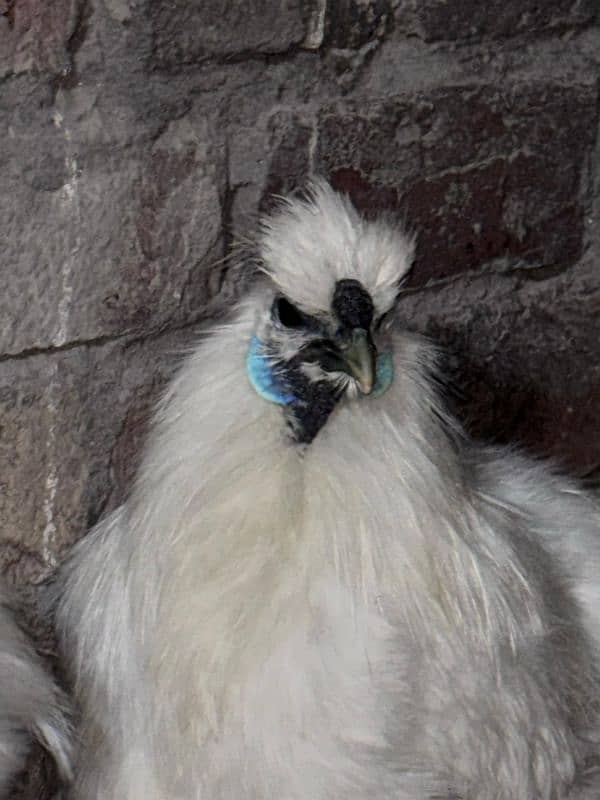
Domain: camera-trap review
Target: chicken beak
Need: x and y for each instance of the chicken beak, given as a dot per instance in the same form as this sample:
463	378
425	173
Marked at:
359	356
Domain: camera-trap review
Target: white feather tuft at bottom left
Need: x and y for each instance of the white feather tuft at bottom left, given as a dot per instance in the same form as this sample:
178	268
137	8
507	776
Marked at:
32	707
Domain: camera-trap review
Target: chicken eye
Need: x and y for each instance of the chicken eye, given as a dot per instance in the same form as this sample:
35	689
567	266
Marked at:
287	314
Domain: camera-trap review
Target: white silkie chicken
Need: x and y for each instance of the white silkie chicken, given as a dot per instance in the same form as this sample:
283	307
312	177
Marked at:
318	589
31	705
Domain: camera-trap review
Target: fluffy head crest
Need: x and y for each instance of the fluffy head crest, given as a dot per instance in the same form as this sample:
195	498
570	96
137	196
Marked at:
308	245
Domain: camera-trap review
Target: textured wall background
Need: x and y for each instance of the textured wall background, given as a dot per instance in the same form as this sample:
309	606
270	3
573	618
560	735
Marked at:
141	137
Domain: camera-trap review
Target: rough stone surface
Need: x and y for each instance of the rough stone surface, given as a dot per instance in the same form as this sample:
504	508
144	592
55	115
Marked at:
440	20
36	37
111	243
352	24
497	188
201	29
523	358
140	141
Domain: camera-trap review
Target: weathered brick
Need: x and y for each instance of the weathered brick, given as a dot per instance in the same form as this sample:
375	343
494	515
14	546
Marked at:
290	143
35	36
355	23
523	355
71	428
440	20
125	243
270	156
202	29
43	429
468	124
379	140
481	173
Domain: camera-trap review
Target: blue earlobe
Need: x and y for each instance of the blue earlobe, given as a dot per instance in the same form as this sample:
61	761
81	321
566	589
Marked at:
385	374
265	381
262	377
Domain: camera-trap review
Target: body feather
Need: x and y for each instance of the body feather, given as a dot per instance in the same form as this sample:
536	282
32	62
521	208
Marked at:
389	612
31	705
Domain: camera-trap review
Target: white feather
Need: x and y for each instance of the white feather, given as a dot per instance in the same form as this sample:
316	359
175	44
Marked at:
310	244
31	705
388	613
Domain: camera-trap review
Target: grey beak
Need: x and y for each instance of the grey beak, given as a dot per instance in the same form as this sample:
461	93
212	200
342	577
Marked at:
359	356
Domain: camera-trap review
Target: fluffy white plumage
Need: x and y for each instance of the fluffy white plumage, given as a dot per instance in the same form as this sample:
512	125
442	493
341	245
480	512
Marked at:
307	247
385	611
31	705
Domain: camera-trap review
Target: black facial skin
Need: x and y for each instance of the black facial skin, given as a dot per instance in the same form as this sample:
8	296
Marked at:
315	400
